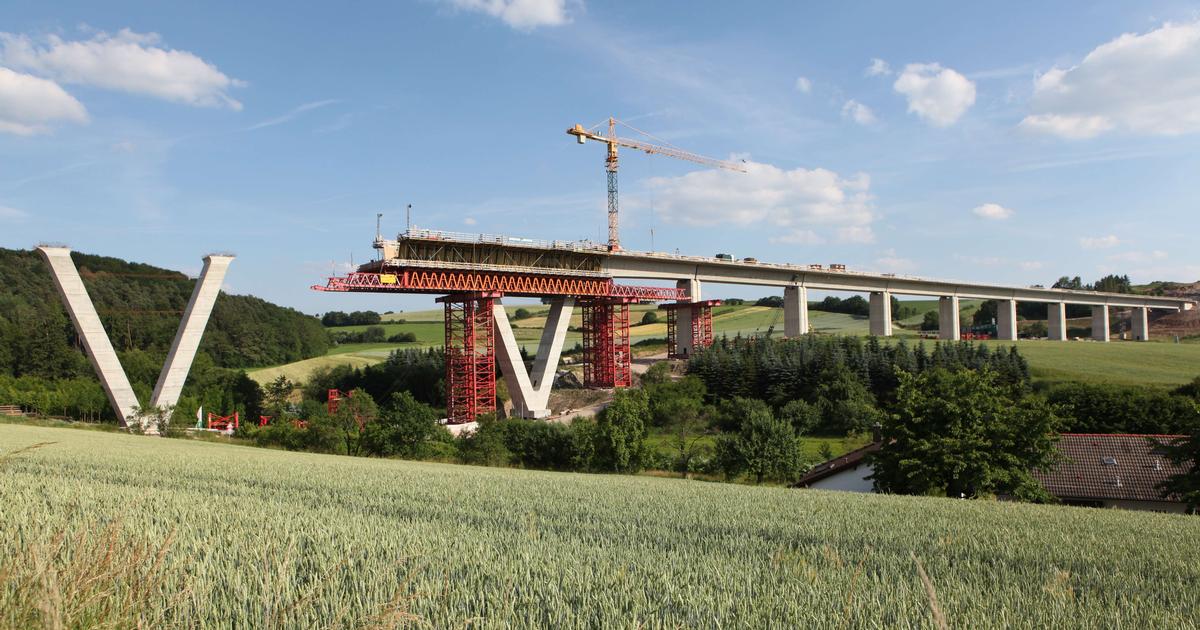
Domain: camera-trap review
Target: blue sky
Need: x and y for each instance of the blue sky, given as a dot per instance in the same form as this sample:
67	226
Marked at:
1012	143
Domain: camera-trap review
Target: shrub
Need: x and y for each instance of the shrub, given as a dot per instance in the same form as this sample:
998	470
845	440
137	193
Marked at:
1108	408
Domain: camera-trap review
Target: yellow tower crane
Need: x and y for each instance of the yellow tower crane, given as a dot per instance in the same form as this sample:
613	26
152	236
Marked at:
582	135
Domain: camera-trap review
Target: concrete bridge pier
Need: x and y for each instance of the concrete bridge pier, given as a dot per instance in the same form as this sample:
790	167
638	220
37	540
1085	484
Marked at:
1141	323
530	392
948	317
881	313
683	318
795	311
1056	321
1006	320
1100	323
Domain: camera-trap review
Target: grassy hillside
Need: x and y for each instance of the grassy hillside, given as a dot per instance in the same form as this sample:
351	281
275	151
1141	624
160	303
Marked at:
258	538
140	306
1130	363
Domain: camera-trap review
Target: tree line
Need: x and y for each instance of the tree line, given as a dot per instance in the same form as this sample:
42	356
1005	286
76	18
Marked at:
356	318
43	367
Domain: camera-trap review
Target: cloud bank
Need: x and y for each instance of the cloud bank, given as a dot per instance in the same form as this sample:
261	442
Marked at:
1144	84
801	203
127	61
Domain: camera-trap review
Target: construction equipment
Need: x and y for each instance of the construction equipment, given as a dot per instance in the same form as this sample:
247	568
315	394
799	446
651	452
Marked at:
582	135
227	424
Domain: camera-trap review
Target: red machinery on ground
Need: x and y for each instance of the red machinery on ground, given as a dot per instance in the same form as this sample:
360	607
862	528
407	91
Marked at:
223	423
333	400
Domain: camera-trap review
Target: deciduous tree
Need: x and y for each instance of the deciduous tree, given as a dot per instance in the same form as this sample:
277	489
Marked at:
964	433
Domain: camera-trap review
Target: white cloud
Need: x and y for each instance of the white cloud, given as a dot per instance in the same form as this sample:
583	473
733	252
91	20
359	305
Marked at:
470	221
292	114
856	234
12	214
803	85
793	201
29	104
1147	84
128	61
858	112
999	261
520	14
992	211
1138	257
798	237
1099	242
940	96
894	263
1072	127
877	68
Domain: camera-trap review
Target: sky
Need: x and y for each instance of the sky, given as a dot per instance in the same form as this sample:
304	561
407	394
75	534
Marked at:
1010	143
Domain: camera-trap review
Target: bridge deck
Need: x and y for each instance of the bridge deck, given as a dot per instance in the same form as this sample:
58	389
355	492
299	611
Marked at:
481	258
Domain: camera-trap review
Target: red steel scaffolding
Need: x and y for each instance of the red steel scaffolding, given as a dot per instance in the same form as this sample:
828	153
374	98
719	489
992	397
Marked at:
699	327
606	352
470	355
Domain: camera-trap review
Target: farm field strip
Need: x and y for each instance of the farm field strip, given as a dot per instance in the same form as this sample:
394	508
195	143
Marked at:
273	538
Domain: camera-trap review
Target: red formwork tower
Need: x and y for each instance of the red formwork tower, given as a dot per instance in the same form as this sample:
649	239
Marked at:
700	325
470	355
606	352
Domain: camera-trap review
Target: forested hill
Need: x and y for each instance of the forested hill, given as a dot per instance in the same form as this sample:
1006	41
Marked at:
141	307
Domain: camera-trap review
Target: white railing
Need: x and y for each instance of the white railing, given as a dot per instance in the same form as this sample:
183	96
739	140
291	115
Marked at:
500	239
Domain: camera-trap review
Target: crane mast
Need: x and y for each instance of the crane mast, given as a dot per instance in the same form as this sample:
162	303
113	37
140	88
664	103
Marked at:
612	141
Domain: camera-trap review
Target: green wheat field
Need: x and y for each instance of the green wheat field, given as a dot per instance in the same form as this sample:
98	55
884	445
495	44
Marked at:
129	531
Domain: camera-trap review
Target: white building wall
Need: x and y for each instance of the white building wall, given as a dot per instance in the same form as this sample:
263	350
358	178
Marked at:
848	480
1148	506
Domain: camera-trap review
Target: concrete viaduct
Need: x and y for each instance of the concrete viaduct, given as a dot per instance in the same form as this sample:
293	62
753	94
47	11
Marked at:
691	272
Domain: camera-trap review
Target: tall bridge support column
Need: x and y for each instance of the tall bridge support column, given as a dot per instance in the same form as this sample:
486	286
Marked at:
187	339
470	355
530	391
606	352
1141	323
881	314
1006	320
1100	323
948	318
692	286
795	311
91	331
1056	321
